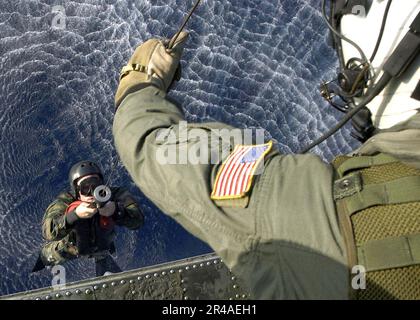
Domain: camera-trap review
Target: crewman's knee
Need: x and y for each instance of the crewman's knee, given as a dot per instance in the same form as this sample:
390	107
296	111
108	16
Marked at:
47	233
57	252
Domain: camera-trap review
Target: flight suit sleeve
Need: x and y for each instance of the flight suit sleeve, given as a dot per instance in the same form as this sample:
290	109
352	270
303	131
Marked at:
153	143
55	226
287	217
128	214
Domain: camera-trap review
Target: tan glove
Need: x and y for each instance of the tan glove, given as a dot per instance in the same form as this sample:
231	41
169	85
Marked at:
151	63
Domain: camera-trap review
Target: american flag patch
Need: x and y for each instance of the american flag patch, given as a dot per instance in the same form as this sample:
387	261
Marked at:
235	176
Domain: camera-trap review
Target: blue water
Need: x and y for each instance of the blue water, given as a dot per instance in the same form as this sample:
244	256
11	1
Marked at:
249	63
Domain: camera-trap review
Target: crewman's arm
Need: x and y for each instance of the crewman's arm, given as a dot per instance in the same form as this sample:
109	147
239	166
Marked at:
128	214
181	190
143	119
156	147
56	224
282	238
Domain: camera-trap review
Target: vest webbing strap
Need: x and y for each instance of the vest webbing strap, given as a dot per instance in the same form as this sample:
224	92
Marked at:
364	162
402	190
390	253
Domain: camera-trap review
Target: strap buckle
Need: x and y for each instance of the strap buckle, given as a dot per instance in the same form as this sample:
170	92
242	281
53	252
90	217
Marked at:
347	186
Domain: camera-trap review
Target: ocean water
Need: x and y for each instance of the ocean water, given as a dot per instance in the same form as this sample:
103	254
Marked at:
248	63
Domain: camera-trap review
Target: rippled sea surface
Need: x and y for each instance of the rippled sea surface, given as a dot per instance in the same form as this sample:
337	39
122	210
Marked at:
248	63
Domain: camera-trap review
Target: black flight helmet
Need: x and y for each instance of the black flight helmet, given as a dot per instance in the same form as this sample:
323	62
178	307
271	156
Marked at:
83	169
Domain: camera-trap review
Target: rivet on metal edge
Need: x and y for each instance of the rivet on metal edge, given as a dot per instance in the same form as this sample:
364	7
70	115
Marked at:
95	287
68	293
38	298
185	298
233	278
163	273
88	291
235	286
237	296
185	289
58	295
131	281
180	270
113	283
244	296
208	263
182	281
104	286
148	276
133	292
215	262
171	271
230	298
122	281
194	266
201	264
48	297
156	274
78	291
139	278
187	268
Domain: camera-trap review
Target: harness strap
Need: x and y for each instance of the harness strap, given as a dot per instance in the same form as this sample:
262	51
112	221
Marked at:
375	255
361	162
358	196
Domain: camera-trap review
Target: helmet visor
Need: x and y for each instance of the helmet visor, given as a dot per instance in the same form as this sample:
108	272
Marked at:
88	185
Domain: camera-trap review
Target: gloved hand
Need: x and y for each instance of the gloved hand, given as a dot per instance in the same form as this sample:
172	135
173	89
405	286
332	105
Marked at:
84	211
151	63
108	209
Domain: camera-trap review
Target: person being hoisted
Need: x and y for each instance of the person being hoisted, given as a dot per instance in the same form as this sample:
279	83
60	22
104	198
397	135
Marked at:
75	226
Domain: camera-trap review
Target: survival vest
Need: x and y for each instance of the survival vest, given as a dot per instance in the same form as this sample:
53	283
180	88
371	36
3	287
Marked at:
378	206
90	236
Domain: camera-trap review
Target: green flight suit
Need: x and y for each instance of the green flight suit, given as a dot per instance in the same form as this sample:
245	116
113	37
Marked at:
283	241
